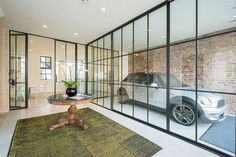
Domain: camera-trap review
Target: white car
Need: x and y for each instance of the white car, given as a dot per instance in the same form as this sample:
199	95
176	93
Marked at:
211	107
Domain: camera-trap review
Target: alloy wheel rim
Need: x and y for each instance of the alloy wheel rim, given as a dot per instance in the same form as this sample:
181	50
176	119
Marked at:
183	114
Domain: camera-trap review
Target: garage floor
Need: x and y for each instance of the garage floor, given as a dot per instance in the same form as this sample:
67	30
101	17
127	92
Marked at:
159	119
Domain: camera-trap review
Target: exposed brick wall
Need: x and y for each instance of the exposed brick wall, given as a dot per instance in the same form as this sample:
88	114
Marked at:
216	64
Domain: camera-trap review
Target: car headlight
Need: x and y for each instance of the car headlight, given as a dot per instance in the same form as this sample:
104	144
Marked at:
204	100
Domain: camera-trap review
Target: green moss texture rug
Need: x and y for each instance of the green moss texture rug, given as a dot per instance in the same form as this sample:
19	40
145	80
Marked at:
104	138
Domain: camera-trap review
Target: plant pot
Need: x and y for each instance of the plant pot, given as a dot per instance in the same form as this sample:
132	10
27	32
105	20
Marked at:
71	92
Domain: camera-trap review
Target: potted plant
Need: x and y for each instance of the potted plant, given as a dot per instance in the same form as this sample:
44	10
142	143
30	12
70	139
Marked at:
71	87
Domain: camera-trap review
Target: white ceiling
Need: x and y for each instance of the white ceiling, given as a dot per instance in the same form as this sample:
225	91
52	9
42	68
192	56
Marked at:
66	17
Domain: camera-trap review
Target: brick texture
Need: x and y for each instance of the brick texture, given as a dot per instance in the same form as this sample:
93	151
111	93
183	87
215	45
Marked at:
216	64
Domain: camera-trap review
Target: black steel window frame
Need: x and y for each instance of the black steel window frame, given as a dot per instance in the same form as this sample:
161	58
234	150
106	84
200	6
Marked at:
168	45
44	68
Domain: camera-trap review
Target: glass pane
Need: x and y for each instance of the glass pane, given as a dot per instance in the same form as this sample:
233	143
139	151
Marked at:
81	52
42	59
107	44
117	70
47	65
20	95
128	39
178	16
182	69
117	43
48	59
116	99
42	49
60	66
127	69
157	91
140	34
220	18
107	95
126	98
157	28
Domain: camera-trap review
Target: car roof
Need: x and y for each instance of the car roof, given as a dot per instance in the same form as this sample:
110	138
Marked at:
157	73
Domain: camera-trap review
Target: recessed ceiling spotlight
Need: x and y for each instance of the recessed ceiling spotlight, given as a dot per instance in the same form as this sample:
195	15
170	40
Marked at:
75	34
84	1
45	26
149	30
103	9
31	41
234	16
62	46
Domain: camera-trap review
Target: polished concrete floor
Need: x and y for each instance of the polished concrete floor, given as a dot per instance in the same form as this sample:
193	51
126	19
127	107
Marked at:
172	147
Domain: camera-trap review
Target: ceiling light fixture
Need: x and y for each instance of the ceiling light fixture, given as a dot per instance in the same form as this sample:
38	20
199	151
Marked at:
234	16
84	1
62	46
31	41
75	34
45	26
103	9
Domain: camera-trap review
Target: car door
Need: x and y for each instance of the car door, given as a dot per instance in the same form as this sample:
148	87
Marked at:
140	88
157	93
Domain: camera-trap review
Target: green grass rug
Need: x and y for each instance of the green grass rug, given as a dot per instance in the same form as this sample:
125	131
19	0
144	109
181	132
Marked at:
104	138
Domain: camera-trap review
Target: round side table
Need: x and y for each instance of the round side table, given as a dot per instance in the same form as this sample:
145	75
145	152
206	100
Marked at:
72	118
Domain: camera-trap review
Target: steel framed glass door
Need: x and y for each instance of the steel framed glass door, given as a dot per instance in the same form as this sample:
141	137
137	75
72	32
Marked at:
18	71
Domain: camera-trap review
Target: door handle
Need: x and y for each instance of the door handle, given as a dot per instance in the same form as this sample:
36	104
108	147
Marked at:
12	82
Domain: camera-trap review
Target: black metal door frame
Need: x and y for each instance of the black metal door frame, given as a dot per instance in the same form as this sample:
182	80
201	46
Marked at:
26	68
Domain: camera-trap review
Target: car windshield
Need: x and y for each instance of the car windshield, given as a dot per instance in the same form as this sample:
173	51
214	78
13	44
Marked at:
174	82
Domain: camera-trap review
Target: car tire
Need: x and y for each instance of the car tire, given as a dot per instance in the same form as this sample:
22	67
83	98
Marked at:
122	95
183	114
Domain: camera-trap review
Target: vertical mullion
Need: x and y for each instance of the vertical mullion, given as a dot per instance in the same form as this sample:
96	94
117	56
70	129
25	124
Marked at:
121	56
132	67
76	62
97	73
103	61
112	71
86	66
196	72
10	72
148	67
26	70
168	66
55	74
65	62
15	60
93	72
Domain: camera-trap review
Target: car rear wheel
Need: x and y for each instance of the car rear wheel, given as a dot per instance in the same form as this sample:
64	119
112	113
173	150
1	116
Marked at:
183	114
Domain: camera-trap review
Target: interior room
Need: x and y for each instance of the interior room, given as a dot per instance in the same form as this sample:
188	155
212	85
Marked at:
118	78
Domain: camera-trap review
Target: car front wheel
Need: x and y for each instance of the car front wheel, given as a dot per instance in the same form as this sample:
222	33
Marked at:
183	114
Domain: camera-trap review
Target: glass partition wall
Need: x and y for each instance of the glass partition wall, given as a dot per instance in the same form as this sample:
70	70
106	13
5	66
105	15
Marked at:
172	68
39	64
